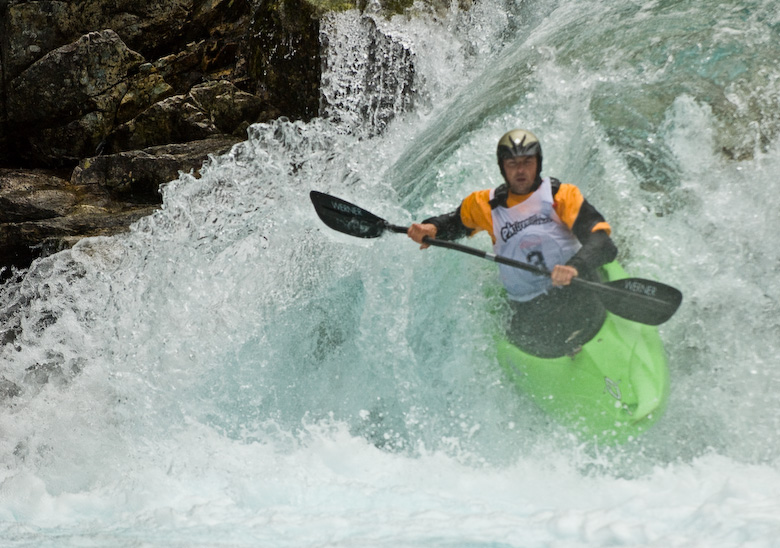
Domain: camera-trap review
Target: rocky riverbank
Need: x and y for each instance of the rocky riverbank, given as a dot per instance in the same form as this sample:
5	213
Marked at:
101	102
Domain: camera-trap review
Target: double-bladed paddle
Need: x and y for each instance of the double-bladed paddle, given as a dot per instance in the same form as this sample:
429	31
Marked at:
636	299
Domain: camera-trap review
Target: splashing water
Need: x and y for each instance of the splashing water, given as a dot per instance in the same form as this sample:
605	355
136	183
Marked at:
231	372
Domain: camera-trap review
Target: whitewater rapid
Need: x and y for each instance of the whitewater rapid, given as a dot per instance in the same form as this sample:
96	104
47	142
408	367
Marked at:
230	372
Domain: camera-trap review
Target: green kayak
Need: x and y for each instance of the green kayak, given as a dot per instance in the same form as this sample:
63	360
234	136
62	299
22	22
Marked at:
611	391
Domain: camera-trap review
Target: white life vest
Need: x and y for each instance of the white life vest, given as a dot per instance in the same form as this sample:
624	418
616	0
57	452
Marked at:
531	232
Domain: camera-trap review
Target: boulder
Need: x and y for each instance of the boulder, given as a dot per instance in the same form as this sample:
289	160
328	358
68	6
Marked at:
35	28
209	109
74	71
42	212
135	176
65	103
33	196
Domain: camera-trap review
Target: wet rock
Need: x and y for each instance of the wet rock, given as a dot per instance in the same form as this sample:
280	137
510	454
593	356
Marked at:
43	213
34	28
72	79
102	101
141	90
65	103
66	89
173	120
283	55
32	196
230	109
209	109
135	176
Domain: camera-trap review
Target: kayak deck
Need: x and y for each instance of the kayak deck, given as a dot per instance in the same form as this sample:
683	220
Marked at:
611	391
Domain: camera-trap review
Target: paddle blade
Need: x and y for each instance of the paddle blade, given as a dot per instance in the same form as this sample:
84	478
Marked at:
640	300
345	217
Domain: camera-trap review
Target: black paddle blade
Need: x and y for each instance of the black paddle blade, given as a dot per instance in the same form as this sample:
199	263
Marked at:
345	217
640	300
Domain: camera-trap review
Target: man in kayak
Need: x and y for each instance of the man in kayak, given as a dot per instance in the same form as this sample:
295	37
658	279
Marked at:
543	222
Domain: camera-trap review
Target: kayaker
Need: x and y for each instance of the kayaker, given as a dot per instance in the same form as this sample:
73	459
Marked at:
540	221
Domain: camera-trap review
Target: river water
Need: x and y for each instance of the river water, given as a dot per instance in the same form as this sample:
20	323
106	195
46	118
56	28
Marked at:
233	373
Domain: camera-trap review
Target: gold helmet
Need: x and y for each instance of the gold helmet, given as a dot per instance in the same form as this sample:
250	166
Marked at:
519	142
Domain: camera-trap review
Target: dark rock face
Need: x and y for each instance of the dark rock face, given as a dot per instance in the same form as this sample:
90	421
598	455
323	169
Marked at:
77	90
134	176
77	73
101	101
283	46
43	213
210	109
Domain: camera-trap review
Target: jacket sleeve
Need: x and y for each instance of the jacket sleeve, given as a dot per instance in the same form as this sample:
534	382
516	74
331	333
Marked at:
449	226
596	250
597	246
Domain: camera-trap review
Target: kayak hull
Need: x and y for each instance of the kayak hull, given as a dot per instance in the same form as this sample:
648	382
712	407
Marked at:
611	391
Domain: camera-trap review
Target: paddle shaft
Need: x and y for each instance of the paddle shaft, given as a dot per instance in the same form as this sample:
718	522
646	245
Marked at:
593	286
636	299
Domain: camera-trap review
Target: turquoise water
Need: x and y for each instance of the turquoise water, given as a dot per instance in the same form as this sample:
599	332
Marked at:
233	373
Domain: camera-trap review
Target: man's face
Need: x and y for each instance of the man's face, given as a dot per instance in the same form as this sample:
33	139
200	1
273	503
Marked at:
520	173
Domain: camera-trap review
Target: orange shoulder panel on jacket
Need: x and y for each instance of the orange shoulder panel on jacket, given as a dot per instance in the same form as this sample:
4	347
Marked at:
568	202
475	211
